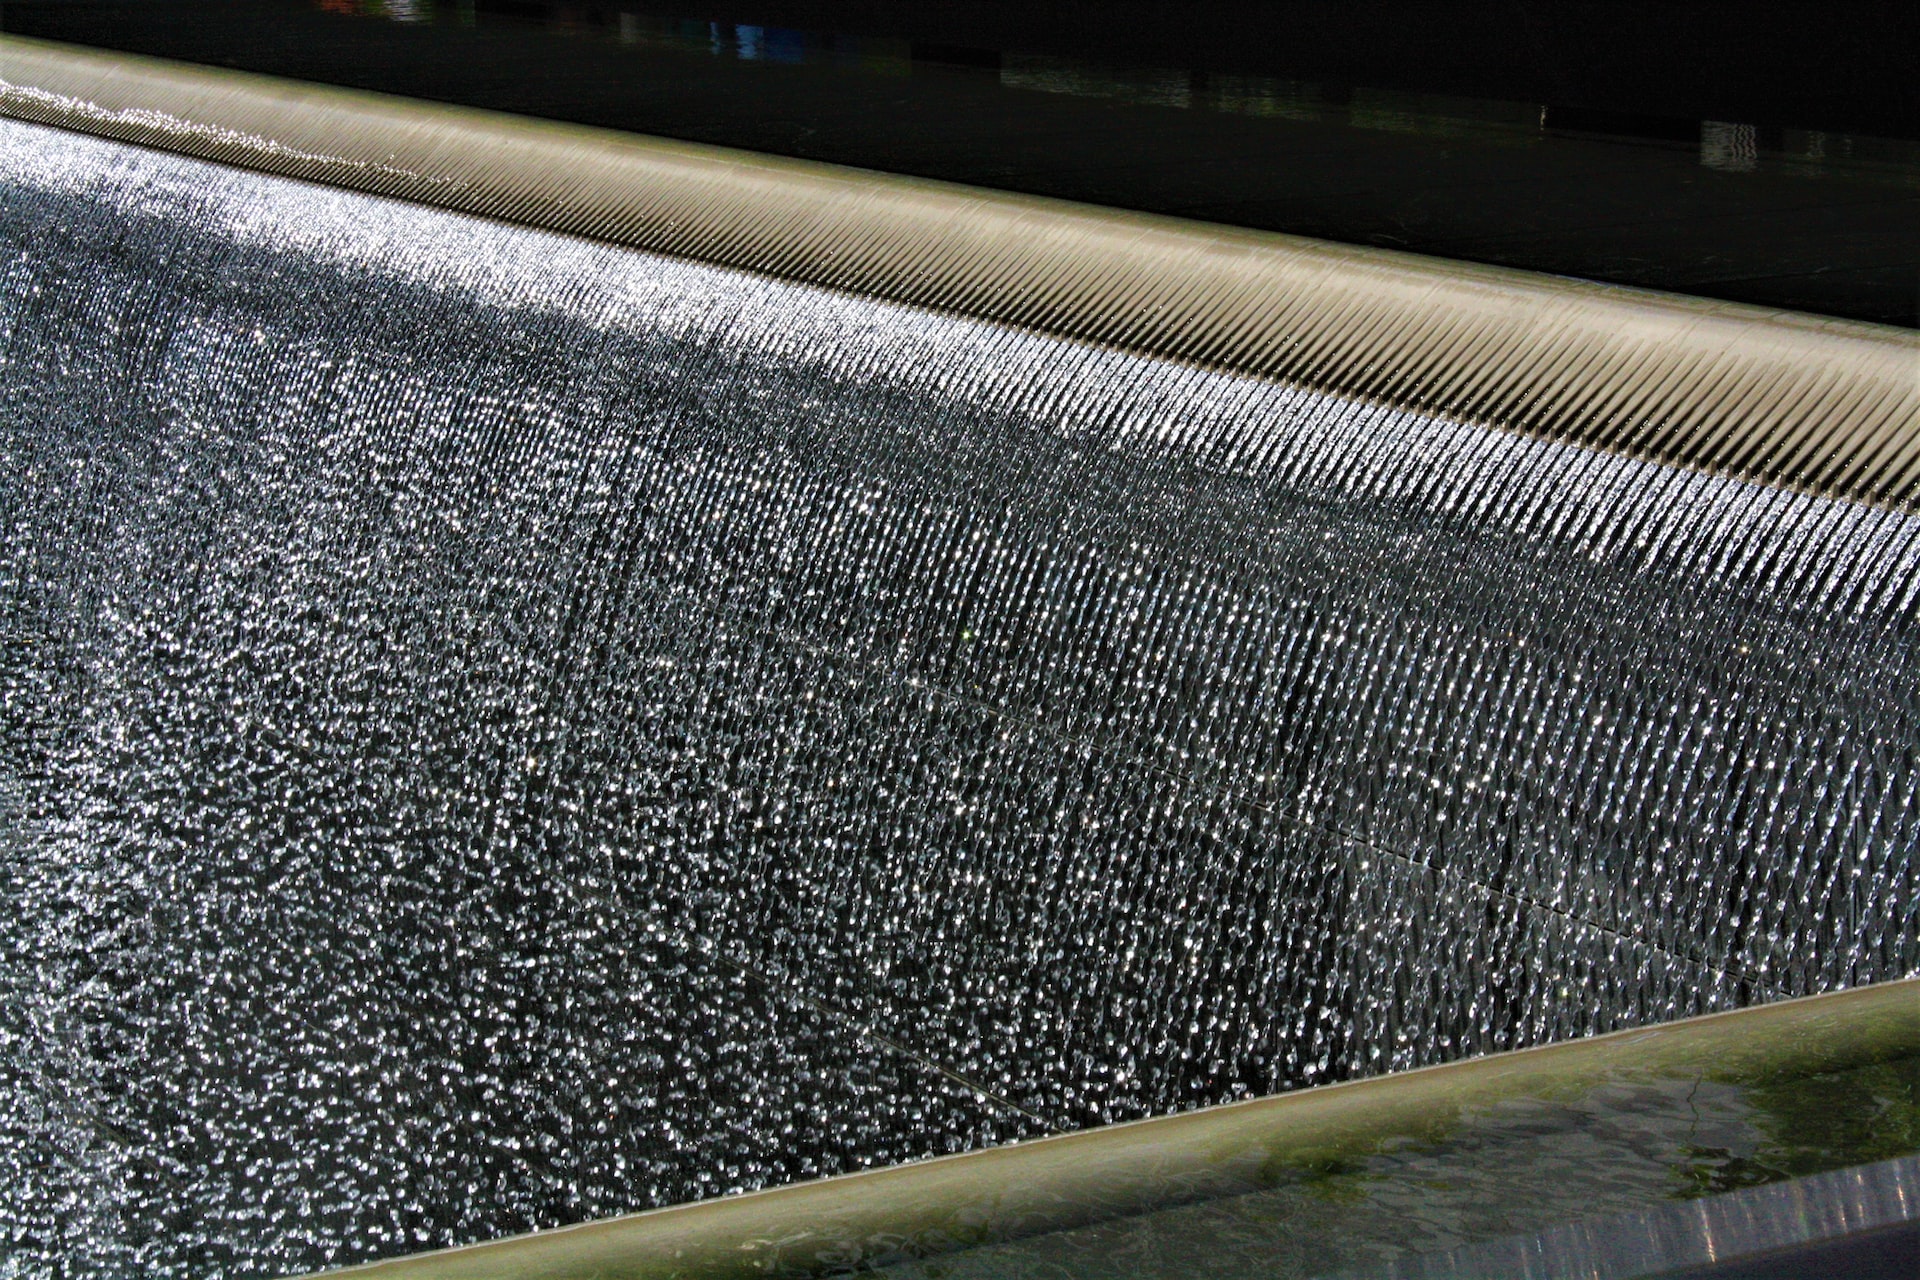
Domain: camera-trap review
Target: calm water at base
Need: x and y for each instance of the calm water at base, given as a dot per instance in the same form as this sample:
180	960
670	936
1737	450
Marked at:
1514	1169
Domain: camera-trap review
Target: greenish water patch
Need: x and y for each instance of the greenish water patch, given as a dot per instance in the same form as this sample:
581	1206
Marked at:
1518	1166
1813	1124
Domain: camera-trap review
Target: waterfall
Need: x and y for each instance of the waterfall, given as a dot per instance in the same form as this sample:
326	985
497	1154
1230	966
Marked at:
503	729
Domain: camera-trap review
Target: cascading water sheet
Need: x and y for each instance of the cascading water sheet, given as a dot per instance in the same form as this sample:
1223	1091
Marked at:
502	730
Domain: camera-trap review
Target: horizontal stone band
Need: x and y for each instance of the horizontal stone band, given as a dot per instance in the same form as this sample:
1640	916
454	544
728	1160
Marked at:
1826	406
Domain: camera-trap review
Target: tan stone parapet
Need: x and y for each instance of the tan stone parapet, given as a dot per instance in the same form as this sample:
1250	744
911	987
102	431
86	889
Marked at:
1827	406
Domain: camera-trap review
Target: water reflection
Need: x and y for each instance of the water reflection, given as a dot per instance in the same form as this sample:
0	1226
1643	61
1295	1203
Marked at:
1827	1224
1492	1189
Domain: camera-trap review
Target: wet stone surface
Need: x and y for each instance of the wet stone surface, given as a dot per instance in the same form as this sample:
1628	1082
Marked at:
501	731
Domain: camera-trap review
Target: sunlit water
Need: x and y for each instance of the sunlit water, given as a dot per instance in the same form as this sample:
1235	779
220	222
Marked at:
502	730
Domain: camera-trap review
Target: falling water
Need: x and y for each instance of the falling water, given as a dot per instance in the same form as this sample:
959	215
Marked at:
502	730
